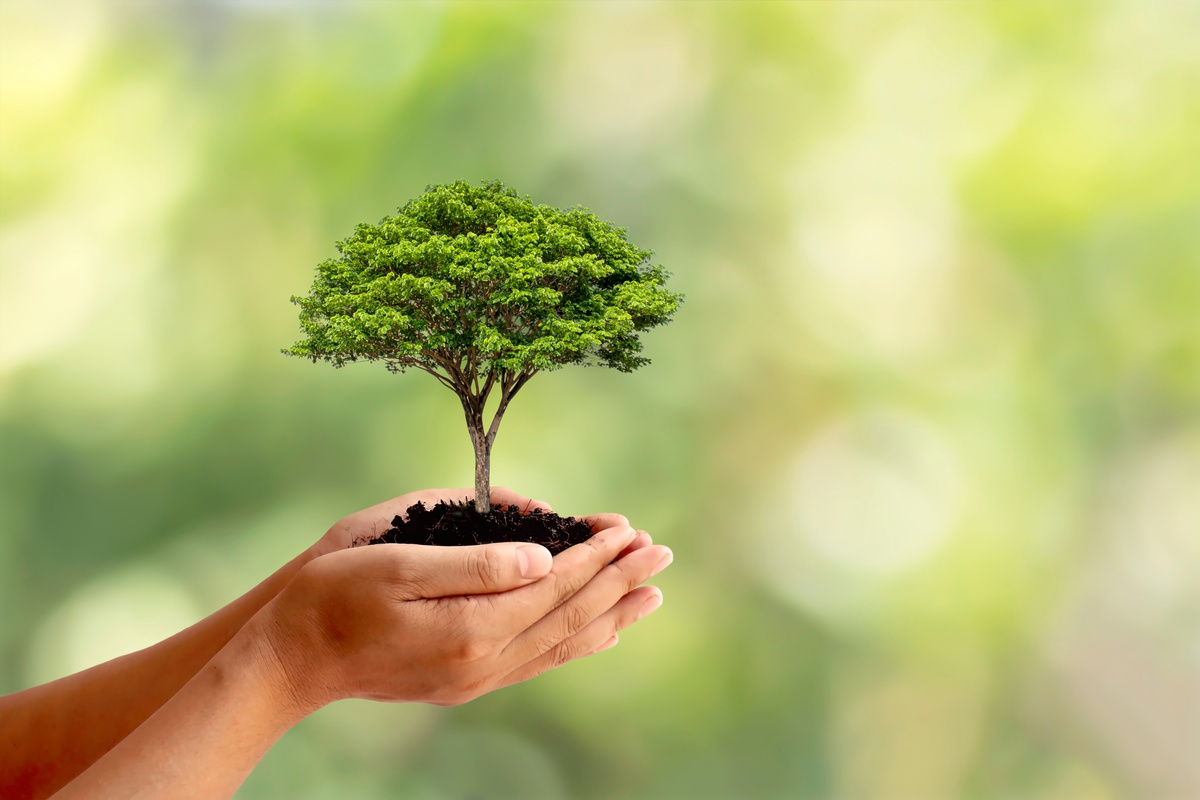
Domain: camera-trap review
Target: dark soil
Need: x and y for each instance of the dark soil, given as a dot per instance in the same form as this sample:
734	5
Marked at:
456	524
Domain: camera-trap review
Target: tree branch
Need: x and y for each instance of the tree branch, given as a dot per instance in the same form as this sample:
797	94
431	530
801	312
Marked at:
461	384
472	368
508	390
522	379
442	379
505	396
487	388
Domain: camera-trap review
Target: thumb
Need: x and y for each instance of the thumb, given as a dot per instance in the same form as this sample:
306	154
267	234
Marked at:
475	569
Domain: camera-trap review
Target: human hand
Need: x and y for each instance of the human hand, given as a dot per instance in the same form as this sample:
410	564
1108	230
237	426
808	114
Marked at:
444	625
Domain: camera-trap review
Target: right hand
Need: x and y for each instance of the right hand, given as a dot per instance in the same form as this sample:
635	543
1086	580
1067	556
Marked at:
443	625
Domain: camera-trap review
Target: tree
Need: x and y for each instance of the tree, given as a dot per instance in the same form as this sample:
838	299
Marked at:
483	289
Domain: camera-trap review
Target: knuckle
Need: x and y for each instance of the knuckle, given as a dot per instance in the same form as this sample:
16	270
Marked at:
629	614
484	563
545	643
562	586
565	652
567	589
471	650
463	645
631	575
574	618
405	573
559	656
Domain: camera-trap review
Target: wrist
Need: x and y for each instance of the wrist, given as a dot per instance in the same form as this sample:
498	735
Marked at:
296	656
258	650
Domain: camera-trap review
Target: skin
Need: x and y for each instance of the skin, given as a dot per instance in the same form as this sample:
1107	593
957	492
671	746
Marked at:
192	715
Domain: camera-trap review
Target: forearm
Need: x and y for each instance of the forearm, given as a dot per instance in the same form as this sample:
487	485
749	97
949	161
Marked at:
51	733
206	739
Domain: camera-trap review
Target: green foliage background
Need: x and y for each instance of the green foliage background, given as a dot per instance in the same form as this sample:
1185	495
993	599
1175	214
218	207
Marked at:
925	438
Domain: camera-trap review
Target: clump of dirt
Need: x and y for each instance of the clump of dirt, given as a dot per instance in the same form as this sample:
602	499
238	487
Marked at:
457	524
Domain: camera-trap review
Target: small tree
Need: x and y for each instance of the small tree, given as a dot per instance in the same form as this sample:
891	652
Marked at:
483	289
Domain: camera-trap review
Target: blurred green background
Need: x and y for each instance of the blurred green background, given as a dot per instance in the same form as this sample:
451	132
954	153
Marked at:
925	436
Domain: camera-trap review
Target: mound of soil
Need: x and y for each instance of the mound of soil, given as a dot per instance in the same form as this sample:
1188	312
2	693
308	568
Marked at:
457	524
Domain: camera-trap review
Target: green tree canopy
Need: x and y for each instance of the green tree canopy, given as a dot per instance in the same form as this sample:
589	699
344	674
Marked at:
483	289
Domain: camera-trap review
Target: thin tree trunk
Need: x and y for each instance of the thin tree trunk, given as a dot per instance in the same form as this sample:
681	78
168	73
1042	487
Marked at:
483	455
483	472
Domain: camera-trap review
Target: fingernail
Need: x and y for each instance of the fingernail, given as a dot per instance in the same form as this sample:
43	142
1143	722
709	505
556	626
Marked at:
663	563
533	560
650	606
612	641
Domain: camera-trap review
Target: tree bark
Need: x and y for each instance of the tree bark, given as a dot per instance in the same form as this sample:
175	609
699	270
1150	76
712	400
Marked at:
483	472
483	454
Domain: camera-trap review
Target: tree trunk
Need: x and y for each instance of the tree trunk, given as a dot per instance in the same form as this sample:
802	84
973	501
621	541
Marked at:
483	455
483	472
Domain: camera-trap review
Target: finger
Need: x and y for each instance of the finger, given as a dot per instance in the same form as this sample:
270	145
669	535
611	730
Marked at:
599	635
572	569
640	540
507	497
600	594
612	641
601	521
427	572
